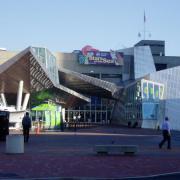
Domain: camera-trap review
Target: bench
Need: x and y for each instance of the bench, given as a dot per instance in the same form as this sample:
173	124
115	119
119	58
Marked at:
115	148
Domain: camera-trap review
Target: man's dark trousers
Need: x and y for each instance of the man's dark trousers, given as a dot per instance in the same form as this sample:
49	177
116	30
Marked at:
26	133
166	137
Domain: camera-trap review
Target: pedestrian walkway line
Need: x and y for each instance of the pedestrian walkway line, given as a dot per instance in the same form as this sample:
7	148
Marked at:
102	134
151	176
95	178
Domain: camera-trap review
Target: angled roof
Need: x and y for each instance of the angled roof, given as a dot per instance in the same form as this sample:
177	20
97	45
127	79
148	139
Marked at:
88	85
26	66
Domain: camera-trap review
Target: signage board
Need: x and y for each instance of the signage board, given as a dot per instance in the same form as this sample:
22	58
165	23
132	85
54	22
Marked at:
89	55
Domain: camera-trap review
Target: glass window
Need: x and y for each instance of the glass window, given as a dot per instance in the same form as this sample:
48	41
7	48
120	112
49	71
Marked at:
92	75
111	76
156	91
150	89
150	111
145	90
93	107
93	100
161	92
49	60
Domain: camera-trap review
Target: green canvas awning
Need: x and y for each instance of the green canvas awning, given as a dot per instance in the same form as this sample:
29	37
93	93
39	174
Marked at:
45	107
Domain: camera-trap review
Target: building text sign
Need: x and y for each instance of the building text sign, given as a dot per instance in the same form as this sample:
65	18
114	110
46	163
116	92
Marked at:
93	56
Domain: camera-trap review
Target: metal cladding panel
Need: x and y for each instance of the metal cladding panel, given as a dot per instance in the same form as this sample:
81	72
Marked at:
170	78
143	61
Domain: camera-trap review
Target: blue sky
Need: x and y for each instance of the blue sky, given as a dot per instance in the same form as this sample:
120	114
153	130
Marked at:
66	25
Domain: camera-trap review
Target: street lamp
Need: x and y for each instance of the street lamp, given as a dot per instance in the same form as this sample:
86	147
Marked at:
79	117
74	118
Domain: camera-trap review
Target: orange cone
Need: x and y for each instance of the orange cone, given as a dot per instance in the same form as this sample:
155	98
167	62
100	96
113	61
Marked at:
37	129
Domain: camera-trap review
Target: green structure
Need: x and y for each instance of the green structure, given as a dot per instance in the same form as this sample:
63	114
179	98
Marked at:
49	114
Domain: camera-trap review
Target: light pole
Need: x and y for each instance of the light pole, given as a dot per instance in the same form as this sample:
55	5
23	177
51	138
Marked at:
79	117
74	118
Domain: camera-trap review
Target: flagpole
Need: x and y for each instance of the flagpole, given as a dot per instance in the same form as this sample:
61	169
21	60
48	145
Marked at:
144	25
144	30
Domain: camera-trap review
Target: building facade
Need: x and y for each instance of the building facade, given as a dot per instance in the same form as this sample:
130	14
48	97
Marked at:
136	86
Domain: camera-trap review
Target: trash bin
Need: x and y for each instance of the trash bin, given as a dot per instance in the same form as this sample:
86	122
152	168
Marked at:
4	125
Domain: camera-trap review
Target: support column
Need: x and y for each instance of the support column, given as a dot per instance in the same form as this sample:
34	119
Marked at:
106	115
68	116
63	114
25	102
19	96
3	99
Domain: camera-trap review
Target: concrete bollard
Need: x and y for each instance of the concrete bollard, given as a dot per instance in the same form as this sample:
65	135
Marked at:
14	144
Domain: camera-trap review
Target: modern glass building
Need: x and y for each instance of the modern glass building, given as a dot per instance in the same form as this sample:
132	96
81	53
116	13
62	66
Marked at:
135	86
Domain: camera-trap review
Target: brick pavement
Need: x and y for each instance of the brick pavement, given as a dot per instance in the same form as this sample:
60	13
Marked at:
69	154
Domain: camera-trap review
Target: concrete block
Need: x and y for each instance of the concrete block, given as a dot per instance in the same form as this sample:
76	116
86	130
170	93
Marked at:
14	144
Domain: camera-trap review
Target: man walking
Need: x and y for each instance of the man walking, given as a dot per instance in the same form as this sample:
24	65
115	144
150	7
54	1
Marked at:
166	134
26	123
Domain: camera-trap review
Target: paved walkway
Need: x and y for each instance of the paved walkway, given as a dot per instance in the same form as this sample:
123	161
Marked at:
70	154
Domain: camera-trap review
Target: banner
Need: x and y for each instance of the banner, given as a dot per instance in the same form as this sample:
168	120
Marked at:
90	55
